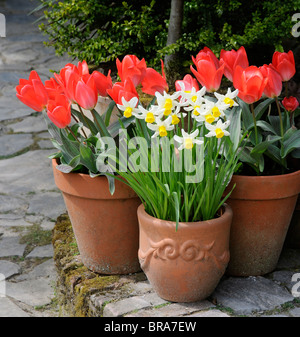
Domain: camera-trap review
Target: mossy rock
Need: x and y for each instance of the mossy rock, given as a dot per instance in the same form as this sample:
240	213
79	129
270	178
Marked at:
75	282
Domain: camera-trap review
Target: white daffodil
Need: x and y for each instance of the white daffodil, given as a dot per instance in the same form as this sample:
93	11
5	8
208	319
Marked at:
218	129
213	111
176	115
228	98
167	102
148	115
161	127
196	106
187	141
129	107
194	95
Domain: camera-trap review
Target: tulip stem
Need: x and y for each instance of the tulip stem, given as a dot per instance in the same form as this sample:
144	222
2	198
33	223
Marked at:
73	134
254	121
77	121
286	88
280	116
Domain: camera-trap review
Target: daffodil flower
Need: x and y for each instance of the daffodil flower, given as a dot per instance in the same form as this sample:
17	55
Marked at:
218	129
193	95
228	98
148	115
167	102
161	127
176	115
213	111
187	141
129	107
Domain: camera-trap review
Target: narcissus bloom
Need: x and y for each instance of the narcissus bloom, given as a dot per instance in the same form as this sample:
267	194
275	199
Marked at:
32	92
133	68
284	63
154	82
233	58
250	82
274	82
161	127
217	130
59	111
129	107
228	98
167	102
290	103
187	140
124	89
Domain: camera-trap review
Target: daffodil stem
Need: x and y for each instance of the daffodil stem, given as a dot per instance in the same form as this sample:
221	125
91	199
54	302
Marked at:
254	121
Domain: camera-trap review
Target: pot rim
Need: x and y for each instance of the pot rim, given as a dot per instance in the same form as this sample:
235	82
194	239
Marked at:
168	223
267	177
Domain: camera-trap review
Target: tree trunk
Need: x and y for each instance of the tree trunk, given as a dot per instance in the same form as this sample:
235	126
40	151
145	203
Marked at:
174	32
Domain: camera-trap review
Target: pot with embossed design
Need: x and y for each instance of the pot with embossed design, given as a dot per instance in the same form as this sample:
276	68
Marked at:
184	265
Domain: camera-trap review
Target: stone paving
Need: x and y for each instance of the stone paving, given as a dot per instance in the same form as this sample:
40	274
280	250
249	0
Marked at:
30	203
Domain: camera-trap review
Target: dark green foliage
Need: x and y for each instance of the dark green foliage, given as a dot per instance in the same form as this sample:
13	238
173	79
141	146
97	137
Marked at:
100	31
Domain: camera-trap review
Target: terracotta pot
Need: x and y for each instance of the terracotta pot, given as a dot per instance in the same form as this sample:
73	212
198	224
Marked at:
293	234
105	226
187	265
262	209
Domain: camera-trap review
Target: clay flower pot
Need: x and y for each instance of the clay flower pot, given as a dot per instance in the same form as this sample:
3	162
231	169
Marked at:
262	209
293	234
105	226
187	265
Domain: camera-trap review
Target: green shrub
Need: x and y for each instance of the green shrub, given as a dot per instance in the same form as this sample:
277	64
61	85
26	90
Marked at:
100	31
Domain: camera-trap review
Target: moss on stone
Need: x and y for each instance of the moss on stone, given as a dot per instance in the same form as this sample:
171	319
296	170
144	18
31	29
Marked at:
76	283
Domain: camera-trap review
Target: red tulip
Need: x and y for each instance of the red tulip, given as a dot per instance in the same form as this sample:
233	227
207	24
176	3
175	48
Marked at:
274	83
154	82
86	94
188	82
233	58
290	103
102	82
53	88
32	92
124	89
131	67
250	82
59	111
284	63
209	71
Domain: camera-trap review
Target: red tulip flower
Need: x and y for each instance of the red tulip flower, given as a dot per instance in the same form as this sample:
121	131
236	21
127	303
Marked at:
233	58
274	83
290	103
32	92
209	71
53	88
124	89
154	82
86	94
187	83
133	68
59	111
284	63
102	82
250	82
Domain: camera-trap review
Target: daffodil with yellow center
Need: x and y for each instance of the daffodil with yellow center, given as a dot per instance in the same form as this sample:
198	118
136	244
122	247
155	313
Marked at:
219	133
162	131
175	119
168	107
196	112
229	101
209	118
216	112
128	112
150	118
187	141
217	130
129	107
